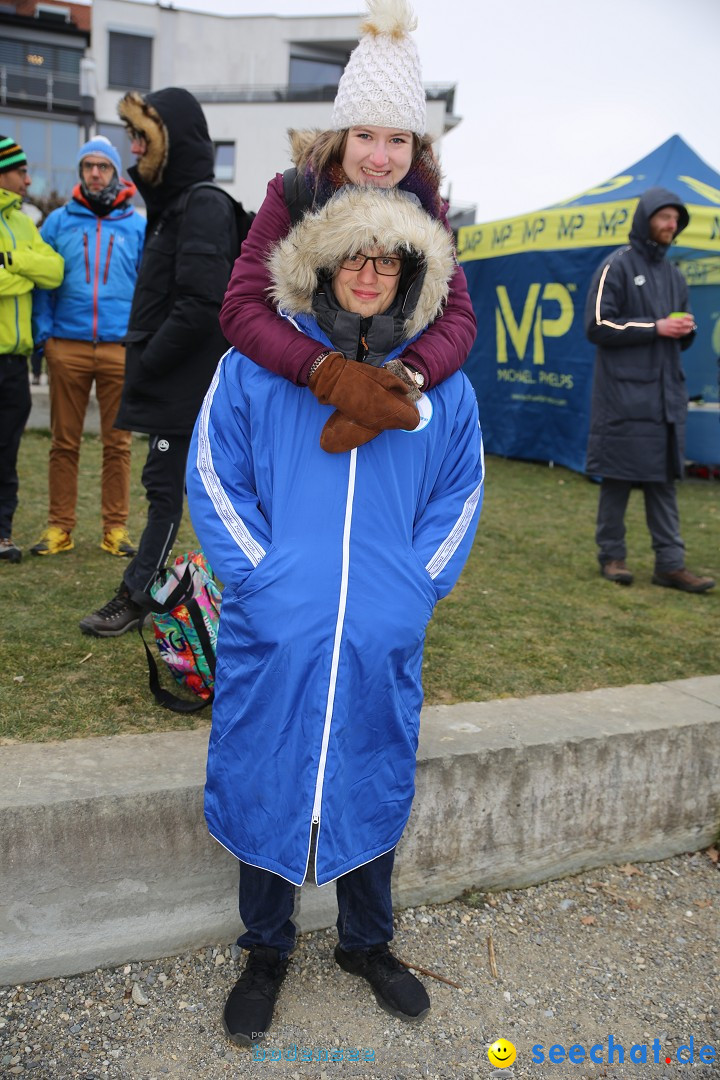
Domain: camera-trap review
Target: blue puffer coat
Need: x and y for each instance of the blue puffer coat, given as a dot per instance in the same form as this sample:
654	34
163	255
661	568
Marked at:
102	256
332	567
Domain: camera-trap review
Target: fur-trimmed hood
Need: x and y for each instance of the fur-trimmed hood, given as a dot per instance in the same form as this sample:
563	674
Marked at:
354	220
179	149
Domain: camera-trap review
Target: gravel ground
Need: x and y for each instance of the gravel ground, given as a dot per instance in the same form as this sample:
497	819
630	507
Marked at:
629	952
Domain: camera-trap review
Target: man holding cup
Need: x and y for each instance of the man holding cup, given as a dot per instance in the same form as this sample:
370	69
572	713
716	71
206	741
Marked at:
637	314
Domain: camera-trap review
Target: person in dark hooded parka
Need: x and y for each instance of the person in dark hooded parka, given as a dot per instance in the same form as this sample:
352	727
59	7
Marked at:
174	338
638	315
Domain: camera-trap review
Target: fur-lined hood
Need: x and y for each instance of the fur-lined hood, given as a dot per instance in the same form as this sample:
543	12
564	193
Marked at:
141	117
179	149
357	219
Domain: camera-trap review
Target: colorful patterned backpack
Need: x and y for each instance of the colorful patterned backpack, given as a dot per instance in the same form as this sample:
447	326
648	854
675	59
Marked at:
184	608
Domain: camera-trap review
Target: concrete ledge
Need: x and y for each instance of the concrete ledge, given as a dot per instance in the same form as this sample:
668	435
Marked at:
105	856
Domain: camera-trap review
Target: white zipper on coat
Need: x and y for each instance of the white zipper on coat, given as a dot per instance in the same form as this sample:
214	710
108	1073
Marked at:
338	636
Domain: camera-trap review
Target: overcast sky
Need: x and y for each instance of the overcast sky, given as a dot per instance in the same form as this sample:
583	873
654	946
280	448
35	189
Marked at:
555	97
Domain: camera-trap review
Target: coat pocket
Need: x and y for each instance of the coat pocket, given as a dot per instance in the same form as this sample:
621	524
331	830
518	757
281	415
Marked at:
633	394
255	577
426	582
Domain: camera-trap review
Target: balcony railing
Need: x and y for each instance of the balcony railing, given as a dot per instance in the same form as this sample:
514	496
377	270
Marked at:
256	94
298	92
42	88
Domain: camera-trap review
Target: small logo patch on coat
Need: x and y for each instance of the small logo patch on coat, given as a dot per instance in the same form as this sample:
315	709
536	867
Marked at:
424	407
640	279
163	445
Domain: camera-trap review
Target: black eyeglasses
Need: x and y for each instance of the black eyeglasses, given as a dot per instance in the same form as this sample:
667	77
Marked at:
385	265
101	166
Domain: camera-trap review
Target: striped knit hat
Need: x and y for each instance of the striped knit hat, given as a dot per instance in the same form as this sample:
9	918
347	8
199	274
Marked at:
11	155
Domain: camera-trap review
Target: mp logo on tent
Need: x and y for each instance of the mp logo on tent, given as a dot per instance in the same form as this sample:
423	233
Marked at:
546	314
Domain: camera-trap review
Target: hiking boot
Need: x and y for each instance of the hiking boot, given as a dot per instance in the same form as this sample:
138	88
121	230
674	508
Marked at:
53	541
396	990
249	1008
9	551
617	571
112	620
117	542
684	580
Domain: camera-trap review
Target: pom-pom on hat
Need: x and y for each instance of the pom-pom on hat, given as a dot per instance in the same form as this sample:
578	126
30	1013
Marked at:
12	156
382	83
102	147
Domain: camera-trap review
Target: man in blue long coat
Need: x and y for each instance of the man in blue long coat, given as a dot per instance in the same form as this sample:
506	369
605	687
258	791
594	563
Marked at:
332	565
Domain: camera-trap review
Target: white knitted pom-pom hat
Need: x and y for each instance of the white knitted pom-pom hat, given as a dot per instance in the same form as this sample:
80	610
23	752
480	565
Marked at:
382	83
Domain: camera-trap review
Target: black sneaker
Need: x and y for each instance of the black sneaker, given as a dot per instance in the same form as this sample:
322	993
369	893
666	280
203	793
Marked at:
9	551
396	990
249	1008
119	615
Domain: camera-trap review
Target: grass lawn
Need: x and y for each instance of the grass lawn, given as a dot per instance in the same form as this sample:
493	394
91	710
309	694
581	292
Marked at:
530	615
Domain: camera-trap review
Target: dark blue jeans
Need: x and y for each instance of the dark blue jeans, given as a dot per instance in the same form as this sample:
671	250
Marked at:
365	916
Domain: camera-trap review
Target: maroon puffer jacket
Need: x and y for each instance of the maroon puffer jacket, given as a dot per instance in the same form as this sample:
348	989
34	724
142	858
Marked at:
250	323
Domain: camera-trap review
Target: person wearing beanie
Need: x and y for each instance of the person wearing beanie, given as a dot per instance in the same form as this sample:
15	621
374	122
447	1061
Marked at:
26	262
332	564
82	326
377	138
174	339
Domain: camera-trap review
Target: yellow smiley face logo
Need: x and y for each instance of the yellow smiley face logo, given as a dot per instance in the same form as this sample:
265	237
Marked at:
501	1054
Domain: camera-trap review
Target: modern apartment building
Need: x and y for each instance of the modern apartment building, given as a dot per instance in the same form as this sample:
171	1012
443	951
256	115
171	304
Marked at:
43	49
256	77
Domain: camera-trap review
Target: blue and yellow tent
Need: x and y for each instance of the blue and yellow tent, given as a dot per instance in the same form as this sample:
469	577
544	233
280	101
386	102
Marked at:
528	277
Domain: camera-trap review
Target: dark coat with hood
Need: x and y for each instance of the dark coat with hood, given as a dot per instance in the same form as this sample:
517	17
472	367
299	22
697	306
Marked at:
639	398
174	339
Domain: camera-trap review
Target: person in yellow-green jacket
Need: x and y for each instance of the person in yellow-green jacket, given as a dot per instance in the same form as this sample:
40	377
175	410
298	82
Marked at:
25	261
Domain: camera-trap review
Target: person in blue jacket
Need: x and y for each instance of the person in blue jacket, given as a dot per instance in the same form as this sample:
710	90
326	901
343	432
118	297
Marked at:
81	325
332	564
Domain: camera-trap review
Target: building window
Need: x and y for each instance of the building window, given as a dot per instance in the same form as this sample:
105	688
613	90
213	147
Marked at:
33	72
314	72
224	162
58	14
129	61
51	147
305	72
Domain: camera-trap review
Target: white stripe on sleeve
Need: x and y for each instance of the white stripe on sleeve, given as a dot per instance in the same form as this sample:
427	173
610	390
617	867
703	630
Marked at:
224	509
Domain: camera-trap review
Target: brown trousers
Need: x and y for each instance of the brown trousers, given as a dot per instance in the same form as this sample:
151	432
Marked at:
72	368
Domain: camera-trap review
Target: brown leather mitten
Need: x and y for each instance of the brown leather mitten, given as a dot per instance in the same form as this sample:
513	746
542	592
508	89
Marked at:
341	434
370	396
